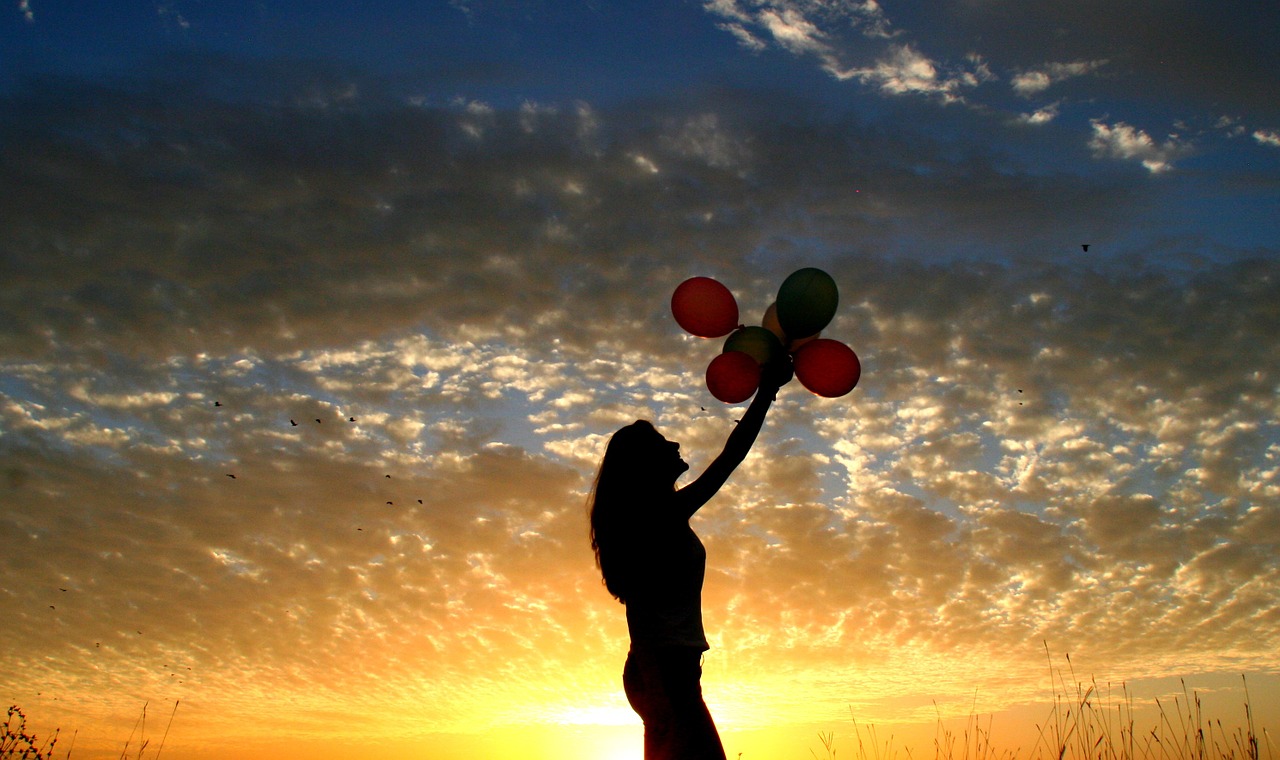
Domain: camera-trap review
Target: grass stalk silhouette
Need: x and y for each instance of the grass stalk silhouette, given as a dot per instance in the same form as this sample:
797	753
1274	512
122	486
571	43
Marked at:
15	742
1087	722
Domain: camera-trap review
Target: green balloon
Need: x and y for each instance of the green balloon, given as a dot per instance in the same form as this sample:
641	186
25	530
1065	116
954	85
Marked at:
806	302
759	343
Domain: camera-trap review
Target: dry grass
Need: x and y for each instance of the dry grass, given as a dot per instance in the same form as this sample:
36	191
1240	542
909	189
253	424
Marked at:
1086	722
17	744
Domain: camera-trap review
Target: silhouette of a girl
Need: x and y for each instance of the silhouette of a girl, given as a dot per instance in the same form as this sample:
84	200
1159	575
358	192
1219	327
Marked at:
654	563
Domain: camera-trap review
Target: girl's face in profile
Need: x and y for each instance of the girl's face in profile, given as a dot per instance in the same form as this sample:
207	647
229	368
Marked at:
668	457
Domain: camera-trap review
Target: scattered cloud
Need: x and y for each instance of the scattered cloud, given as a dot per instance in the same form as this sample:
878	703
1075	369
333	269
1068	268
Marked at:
793	31
1039	79
858	42
1269	137
905	70
1120	140
1040	115
744	36
408	330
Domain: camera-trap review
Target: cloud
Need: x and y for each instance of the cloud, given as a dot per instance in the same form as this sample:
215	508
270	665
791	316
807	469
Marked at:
947	56
1120	140
1269	137
744	36
815	29
793	31
905	71
1039	443
1038	80
1040	115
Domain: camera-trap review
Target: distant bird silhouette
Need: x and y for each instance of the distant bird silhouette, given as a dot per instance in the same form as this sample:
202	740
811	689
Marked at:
1085	246
217	403
351	419
419	501
359	528
317	420
388	476
61	589
291	422
229	475
52	607
391	504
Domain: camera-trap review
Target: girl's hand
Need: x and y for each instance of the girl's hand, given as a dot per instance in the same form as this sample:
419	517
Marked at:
776	373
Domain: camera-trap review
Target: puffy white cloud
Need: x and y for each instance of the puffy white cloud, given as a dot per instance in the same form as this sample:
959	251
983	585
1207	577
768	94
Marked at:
1123	141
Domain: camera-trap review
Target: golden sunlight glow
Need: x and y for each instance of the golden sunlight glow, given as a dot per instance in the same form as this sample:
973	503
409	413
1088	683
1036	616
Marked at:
601	715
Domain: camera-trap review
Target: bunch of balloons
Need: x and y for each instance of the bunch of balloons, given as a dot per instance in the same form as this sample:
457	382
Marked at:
793	324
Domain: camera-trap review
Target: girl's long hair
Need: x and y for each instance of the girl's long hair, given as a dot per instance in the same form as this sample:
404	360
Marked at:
622	505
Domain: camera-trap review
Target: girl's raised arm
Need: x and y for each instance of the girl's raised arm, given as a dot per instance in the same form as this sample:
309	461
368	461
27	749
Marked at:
691	498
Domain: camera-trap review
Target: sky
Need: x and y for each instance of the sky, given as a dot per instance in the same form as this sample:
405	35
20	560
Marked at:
315	318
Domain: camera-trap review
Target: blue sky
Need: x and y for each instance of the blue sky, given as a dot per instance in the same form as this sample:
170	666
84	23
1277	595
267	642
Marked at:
450	232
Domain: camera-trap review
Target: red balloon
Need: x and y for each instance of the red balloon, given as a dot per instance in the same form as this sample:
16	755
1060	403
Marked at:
733	376
827	367
704	307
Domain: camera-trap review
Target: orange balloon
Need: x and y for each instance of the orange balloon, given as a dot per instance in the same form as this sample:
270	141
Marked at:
704	307
827	367
796	344
733	376
770	322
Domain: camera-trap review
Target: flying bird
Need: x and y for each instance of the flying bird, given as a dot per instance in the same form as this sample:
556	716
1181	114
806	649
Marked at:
317	420
291	422
351	419
1085	246
217	403
419	501
390	504
229	475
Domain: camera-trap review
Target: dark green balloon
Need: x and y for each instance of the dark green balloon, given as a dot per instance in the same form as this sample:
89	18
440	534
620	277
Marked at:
759	343
807	302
